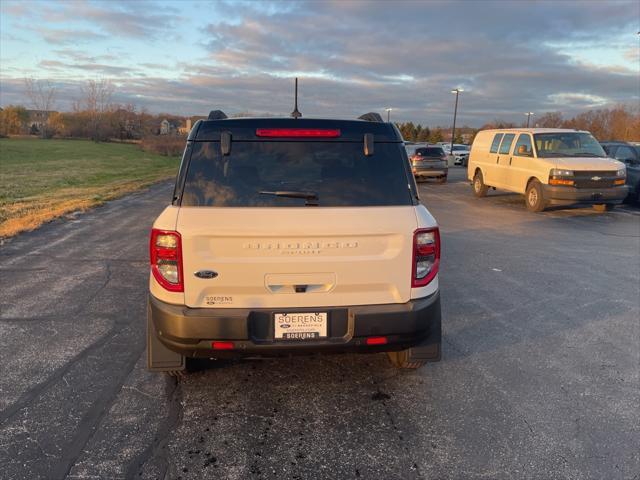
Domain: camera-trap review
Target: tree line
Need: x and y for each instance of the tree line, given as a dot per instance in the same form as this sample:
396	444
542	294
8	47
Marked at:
417	133
93	115
617	123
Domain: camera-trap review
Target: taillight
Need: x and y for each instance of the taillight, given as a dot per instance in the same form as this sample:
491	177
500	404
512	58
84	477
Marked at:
426	256
297	132
165	252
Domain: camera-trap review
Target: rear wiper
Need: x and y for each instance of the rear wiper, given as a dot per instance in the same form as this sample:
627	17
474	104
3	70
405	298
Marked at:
310	197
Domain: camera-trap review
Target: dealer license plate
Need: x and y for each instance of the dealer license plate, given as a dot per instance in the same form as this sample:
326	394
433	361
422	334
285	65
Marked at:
300	326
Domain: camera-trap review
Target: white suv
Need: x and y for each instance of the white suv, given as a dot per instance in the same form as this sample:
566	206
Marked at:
460	154
293	235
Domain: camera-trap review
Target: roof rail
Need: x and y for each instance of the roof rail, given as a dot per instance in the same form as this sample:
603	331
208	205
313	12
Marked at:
371	117
216	115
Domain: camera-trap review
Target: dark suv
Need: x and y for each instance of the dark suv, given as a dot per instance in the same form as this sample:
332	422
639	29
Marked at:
630	155
428	162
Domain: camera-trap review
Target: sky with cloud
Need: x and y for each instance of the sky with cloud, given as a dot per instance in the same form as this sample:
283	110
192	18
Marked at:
188	57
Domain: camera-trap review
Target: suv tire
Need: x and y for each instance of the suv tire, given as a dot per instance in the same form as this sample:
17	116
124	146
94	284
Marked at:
534	198
479	187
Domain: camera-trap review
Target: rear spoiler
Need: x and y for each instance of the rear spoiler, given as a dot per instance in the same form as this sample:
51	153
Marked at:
371	117
216	115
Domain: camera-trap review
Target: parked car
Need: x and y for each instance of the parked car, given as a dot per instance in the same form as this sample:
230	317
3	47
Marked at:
549	166
460	154
428	161
290	235
629	154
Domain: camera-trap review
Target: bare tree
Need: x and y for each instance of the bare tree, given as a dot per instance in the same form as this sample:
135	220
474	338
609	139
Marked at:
550	120
97	102
42	95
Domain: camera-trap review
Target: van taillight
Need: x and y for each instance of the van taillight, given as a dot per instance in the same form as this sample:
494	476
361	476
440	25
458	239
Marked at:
165	252
426	256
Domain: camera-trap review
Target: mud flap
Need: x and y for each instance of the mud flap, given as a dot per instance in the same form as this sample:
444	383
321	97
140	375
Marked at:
159	357
431	349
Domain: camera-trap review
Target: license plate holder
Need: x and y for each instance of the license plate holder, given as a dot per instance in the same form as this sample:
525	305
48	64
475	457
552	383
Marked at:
300	325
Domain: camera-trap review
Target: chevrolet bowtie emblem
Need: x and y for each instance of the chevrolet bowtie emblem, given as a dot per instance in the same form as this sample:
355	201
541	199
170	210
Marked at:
595	179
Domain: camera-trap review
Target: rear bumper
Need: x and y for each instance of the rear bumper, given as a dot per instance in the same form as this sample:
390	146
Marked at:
571	195
191	331
431	172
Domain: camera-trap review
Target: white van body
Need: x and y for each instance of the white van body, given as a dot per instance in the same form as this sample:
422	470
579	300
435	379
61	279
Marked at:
548	160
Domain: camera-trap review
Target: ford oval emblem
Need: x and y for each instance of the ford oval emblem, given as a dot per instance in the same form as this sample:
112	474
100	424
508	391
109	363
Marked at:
206	274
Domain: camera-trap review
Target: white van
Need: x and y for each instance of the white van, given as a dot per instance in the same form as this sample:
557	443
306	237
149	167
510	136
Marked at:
550	166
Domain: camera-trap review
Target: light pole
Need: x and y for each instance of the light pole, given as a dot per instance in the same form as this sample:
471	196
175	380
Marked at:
455	114
528	114
388	110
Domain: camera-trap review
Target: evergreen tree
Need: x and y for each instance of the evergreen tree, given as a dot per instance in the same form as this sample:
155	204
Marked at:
436	136
424	135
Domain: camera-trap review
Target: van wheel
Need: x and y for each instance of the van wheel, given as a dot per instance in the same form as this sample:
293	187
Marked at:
603	207
479	188
534	197
402	359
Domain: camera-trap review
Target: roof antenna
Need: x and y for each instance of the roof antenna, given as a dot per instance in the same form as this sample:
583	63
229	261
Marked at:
296	113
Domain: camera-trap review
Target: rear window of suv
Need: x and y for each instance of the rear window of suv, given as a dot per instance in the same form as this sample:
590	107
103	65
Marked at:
430	152
339	174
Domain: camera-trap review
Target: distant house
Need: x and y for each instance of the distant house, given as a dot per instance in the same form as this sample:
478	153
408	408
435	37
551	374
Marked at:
168	127
186	128
38	119
189	123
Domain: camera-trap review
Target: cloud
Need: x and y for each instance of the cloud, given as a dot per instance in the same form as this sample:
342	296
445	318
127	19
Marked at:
93	68
353	57
65	36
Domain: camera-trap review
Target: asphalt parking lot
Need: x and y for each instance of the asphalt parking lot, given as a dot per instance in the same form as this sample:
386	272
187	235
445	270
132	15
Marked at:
539	377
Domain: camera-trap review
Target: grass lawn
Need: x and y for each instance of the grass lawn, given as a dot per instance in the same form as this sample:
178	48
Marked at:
44	179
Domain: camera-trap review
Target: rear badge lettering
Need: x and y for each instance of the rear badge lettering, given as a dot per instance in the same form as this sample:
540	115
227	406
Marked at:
218	300
299	248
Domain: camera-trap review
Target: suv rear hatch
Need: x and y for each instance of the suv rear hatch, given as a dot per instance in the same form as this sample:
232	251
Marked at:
290	221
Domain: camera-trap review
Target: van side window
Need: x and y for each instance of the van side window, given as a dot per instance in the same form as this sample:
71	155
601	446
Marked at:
523	146
496	143
505	146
